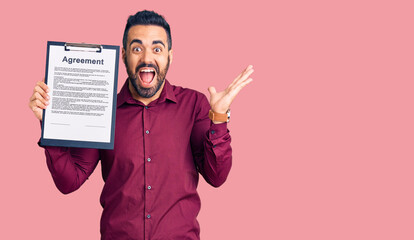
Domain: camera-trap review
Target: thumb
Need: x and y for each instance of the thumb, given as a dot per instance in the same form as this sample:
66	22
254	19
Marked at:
212	90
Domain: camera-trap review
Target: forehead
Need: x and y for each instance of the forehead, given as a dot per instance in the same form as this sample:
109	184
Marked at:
147	33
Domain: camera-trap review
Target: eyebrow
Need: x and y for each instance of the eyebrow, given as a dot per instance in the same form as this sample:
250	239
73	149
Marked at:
153	42
135	41
158	42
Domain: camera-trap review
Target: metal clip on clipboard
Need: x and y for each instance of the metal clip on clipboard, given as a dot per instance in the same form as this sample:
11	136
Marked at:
83	47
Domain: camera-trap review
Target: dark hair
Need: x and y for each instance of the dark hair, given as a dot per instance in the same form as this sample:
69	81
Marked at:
147	18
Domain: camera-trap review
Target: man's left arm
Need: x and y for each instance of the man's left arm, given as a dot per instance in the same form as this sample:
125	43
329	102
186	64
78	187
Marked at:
210	145
211	139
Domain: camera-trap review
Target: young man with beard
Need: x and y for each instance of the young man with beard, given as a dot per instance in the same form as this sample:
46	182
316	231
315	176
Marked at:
164	136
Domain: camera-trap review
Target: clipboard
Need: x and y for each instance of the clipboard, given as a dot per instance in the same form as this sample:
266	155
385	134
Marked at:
82	80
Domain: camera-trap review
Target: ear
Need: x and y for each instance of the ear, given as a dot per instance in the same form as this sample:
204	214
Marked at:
123	55
170	54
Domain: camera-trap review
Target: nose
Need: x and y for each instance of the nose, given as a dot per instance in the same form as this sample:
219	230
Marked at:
147	57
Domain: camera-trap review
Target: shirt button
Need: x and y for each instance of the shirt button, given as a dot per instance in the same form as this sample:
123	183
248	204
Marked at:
148	159
212	132
149	187
148	216
214	146
147	132
146	107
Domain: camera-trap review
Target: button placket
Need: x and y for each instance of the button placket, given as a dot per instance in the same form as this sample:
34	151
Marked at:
146	129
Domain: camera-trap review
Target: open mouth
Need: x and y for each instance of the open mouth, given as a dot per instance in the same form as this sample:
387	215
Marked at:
147	76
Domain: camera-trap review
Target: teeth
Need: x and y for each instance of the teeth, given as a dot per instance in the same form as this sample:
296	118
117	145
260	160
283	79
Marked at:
147	70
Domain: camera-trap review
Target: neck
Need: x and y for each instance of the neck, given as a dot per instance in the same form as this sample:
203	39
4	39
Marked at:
145	101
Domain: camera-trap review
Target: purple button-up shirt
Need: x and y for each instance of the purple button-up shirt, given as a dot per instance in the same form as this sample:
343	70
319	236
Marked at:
151	176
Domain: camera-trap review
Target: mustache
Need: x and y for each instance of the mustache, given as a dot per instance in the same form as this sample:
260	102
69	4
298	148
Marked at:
147	65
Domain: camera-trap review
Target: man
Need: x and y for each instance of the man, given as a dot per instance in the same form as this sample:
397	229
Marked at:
163	139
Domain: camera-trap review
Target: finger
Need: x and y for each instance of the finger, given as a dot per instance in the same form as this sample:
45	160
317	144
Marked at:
243	78
40	98
246	74
34	96
247	81
39	104
245	70
212	90
248	70
35	99
235	90
33	105
43	86
42	92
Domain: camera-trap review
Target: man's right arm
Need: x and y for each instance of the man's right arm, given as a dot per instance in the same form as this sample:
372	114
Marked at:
70	167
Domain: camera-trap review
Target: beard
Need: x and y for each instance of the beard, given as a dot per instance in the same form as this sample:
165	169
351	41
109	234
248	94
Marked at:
147	92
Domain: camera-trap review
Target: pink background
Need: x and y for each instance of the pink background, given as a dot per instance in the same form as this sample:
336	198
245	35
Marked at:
323	137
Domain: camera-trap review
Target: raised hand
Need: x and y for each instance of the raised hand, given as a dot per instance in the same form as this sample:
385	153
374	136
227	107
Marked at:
39	99
220	101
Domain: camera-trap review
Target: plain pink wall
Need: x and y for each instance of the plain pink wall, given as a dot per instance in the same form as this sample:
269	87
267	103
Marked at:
323	137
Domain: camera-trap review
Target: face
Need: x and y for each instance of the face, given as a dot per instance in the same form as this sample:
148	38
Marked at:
147	59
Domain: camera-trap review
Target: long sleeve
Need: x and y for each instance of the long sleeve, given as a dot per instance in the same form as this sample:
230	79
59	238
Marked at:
211	147
70	167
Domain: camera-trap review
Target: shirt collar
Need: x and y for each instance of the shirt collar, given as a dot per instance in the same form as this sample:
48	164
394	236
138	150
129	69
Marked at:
125	95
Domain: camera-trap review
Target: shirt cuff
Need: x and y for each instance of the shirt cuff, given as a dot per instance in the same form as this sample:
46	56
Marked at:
217	131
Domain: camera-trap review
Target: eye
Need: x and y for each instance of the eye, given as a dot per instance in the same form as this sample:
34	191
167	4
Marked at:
157	50
136	49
